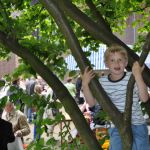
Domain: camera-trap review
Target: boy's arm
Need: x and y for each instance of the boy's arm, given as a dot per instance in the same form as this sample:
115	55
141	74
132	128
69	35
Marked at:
143	91
86	78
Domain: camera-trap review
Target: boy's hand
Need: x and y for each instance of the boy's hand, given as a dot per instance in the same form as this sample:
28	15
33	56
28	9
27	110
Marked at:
137	69
87	76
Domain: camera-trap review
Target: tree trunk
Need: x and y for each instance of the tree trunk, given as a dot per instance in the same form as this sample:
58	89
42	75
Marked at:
62	93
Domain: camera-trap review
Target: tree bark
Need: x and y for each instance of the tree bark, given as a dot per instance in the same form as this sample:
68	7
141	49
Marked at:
103	99
62	93
100	33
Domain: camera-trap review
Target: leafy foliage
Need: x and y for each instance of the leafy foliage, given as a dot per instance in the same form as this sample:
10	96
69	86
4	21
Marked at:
36	30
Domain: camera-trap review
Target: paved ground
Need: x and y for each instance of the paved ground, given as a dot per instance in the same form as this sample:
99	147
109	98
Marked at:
28	139
57	129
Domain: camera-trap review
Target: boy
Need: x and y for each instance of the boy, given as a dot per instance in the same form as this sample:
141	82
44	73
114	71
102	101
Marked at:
115	85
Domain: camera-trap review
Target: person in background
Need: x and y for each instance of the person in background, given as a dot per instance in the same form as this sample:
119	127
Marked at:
50	112
16	84
6	134
71	87
38	90
79	95
17	118
30	84
115	85
3	88
78	86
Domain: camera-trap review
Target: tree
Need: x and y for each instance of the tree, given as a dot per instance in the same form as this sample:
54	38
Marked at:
15	36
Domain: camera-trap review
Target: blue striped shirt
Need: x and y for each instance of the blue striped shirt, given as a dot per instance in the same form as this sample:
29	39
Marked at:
116	90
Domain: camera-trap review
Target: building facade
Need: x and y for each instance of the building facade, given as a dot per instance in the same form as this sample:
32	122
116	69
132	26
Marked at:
7	66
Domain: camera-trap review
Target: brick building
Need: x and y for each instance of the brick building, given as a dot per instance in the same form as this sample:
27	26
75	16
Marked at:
7	67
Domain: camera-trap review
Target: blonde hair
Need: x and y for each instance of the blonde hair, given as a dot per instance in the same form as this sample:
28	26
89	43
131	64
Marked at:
38	89
113	49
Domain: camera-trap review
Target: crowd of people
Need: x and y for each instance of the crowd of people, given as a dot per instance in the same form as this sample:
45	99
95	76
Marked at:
21	117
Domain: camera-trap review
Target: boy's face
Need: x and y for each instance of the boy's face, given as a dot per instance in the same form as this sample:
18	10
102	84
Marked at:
116	63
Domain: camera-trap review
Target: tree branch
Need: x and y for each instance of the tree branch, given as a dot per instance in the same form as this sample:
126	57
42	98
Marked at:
129	96
130	86
96	13
57	86
74	45
100	34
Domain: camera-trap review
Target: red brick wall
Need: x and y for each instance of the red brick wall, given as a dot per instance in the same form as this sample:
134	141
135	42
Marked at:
130	35
7	67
